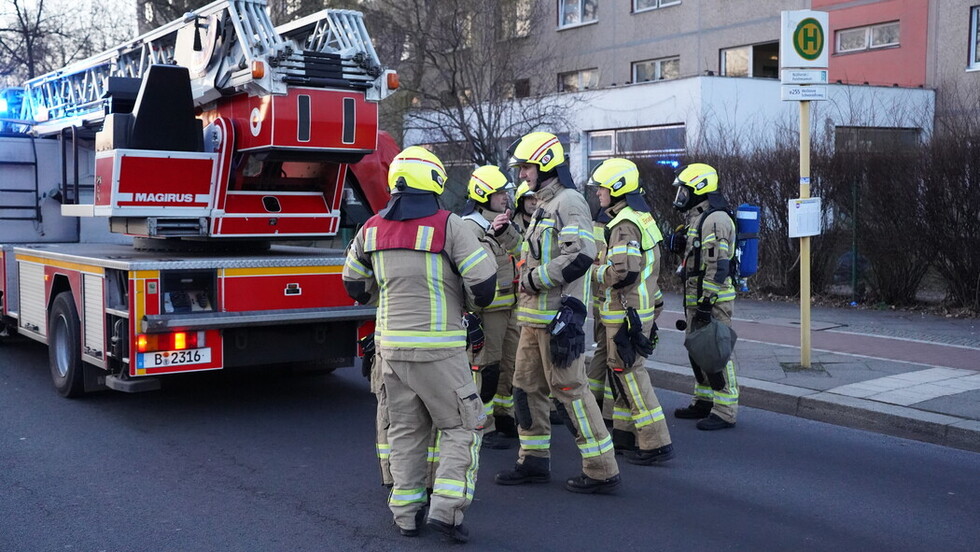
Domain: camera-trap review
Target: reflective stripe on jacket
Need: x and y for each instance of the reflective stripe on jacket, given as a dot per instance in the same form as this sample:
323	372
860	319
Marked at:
556	255
629	277
415	271
502	249
717	244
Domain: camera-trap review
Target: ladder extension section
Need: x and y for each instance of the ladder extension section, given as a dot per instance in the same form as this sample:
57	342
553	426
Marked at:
229	46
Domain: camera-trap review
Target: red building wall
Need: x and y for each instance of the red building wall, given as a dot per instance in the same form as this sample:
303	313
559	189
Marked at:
904	65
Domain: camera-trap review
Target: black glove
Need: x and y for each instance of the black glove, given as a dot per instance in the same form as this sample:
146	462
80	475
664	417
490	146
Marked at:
640	342
654	338
567	334
677	240
624	346
474	332
367	346
702	316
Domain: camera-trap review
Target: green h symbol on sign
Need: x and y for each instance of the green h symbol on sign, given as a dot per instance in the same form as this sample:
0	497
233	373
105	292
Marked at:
808	39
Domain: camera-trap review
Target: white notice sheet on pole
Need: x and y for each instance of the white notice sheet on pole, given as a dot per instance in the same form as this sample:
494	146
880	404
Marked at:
804	217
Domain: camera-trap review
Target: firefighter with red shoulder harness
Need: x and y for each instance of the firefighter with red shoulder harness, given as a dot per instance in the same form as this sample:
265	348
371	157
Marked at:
410	251
707	244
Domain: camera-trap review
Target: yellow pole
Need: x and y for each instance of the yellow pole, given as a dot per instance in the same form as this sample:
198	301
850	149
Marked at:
805	241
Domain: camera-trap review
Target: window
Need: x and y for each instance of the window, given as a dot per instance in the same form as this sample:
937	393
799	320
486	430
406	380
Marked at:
735	61
757	60
577	12
515	19
520	88
573	81
866	38
875	139
975	37
656	69
643	5
662	143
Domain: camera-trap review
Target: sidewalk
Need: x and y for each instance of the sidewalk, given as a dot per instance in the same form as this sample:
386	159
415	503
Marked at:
909	375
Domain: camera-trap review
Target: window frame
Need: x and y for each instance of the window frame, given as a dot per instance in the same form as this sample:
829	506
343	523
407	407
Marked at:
868	38
658	68
581	9
579	73
520	26
658	5
974	36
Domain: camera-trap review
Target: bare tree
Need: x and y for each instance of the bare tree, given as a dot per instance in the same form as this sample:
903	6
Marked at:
25	39
468	68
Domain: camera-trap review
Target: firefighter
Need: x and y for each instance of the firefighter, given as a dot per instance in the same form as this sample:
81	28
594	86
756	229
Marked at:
556	255
598	368
413	259
526	204
487	214
707	243
630	303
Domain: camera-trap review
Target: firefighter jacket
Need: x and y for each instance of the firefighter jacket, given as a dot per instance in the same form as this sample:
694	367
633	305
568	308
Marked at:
502	249
711	280
628	278
556	255
415	270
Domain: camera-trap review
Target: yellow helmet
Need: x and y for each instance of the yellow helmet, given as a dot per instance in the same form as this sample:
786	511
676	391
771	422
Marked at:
418	169
522	191
693	182
537	148
485	181
619	176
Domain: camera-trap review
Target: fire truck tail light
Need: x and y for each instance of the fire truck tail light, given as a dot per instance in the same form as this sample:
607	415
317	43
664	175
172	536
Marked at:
258	69
393	81
169	342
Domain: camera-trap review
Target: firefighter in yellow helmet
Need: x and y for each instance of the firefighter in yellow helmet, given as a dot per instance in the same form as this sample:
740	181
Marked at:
630	301
556	256
707	245
488	216
411	250
526	204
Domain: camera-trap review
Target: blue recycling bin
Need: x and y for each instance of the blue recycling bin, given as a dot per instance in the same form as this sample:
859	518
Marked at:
747	217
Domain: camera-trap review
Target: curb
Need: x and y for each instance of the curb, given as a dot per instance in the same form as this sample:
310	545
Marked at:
888	419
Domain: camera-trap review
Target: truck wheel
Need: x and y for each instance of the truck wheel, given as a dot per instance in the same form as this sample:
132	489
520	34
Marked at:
64	347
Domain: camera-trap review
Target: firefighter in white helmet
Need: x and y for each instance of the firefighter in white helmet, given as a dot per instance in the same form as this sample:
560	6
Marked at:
630	301
488	215
410	251
707	245
557	253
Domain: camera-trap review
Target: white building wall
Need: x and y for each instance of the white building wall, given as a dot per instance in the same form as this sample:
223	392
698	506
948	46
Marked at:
722	111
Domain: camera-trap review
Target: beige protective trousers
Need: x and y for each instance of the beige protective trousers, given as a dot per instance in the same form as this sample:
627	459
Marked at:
597	371
534	378
421	396
637	408
725	401
495	324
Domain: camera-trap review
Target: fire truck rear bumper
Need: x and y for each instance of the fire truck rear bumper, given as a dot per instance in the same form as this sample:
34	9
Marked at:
162	323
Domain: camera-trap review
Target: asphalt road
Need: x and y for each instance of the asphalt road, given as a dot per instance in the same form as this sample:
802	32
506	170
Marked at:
260	462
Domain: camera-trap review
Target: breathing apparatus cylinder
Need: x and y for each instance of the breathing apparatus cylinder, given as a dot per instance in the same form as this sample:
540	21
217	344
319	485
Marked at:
747	246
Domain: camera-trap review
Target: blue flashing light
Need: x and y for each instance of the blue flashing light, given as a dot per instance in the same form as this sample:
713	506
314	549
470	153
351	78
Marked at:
3	106
669	162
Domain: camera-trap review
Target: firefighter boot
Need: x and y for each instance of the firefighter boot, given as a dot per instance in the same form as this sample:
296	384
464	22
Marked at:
699	409
586	485
714	422
456	533
497	440
623	441
505	424
533	470
414	532
649	457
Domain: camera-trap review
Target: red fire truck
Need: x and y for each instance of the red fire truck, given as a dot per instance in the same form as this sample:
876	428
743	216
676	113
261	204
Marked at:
148	192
